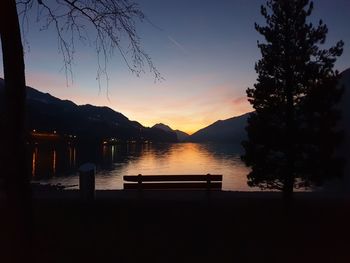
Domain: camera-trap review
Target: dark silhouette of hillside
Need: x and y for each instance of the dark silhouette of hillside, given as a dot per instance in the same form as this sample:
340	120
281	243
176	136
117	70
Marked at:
224	131
344	103
181	136
344	124
87	122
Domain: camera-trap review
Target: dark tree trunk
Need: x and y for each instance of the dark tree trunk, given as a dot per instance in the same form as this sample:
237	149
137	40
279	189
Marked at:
15	178
288	184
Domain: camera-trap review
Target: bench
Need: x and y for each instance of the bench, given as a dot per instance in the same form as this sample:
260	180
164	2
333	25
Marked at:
159	182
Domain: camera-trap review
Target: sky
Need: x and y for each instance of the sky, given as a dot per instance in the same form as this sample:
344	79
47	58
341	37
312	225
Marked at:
205	51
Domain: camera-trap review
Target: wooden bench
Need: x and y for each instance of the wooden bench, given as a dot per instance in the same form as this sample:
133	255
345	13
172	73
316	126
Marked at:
159	182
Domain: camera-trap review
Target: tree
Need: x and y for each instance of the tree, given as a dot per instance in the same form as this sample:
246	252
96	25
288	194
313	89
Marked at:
113	22
292	133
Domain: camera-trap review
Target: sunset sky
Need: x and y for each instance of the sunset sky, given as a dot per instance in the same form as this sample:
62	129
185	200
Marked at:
205	50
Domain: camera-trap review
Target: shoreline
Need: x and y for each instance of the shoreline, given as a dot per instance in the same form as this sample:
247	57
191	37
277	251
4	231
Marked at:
188	195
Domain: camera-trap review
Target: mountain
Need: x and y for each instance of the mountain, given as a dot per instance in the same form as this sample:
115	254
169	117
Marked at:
230	130
162	127
48	113
345	125
181	136
345	101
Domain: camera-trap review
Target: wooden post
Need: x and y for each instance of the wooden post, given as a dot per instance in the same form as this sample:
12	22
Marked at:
208	188
139	181
139	190
208	182
87	181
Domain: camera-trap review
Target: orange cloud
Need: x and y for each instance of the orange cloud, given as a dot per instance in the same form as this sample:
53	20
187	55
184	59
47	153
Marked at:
240	100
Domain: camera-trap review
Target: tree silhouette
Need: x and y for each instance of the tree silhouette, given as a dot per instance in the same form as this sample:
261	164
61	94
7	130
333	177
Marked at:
112	24
292	133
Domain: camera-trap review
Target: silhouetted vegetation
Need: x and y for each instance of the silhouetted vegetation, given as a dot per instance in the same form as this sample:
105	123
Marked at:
110	22
292	133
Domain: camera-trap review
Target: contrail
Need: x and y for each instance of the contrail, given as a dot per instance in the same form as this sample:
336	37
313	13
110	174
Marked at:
177	44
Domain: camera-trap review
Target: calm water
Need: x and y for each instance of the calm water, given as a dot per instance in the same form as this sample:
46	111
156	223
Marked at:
59	164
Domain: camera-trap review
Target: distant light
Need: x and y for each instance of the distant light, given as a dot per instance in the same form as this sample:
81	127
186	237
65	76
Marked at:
54	132
34	130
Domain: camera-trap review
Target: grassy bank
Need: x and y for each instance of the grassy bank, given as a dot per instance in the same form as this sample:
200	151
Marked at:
189	227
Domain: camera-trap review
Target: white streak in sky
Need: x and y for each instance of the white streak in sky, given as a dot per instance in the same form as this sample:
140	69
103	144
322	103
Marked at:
177	44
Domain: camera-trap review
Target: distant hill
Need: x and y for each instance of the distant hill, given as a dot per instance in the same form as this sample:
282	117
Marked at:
345	102
345	124
48	113
229	131
181	136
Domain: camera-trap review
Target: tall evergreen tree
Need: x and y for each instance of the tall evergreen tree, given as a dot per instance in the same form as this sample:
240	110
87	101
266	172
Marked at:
292	133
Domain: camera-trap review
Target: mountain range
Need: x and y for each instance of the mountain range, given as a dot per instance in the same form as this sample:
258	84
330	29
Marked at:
47	113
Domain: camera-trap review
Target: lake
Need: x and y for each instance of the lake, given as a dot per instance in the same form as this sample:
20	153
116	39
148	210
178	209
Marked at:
50	164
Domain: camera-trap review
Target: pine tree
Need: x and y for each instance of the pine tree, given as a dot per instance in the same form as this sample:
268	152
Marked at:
292	133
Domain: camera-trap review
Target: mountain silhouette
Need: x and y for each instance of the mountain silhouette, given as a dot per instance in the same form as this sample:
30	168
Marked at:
48	113
181	136
224	131
345	101
345	125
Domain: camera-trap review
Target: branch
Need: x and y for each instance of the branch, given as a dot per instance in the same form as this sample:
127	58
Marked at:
113	23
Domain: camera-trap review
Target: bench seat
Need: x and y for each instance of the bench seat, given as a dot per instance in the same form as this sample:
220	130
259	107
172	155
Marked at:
208	181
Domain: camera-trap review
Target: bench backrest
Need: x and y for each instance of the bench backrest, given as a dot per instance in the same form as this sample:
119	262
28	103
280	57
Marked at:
208	181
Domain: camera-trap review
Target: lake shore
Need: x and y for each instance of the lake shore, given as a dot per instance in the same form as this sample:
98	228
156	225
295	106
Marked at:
188	195
190	226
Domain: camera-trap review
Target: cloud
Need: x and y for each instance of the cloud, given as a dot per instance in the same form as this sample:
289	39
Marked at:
240	100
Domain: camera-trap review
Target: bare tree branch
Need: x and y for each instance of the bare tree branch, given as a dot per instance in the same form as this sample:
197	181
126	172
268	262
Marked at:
113	23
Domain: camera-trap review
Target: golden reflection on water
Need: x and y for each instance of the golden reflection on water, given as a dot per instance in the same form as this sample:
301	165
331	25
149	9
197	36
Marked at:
72	156
113	151
34	161
47	161
54	159
147	159
184	158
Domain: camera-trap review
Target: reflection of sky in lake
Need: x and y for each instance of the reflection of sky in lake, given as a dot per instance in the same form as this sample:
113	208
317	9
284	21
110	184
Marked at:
60	165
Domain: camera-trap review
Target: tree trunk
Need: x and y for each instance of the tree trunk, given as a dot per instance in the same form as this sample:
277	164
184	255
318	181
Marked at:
15	178
288	184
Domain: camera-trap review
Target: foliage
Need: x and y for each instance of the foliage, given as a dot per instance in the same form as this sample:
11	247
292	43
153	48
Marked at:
292	134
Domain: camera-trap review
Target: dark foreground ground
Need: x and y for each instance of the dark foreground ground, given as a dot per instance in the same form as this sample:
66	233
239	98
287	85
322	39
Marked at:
190	227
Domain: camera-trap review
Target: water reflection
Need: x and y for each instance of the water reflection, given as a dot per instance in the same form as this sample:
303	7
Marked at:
72	156
48	161
54	162
34	161
59	165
